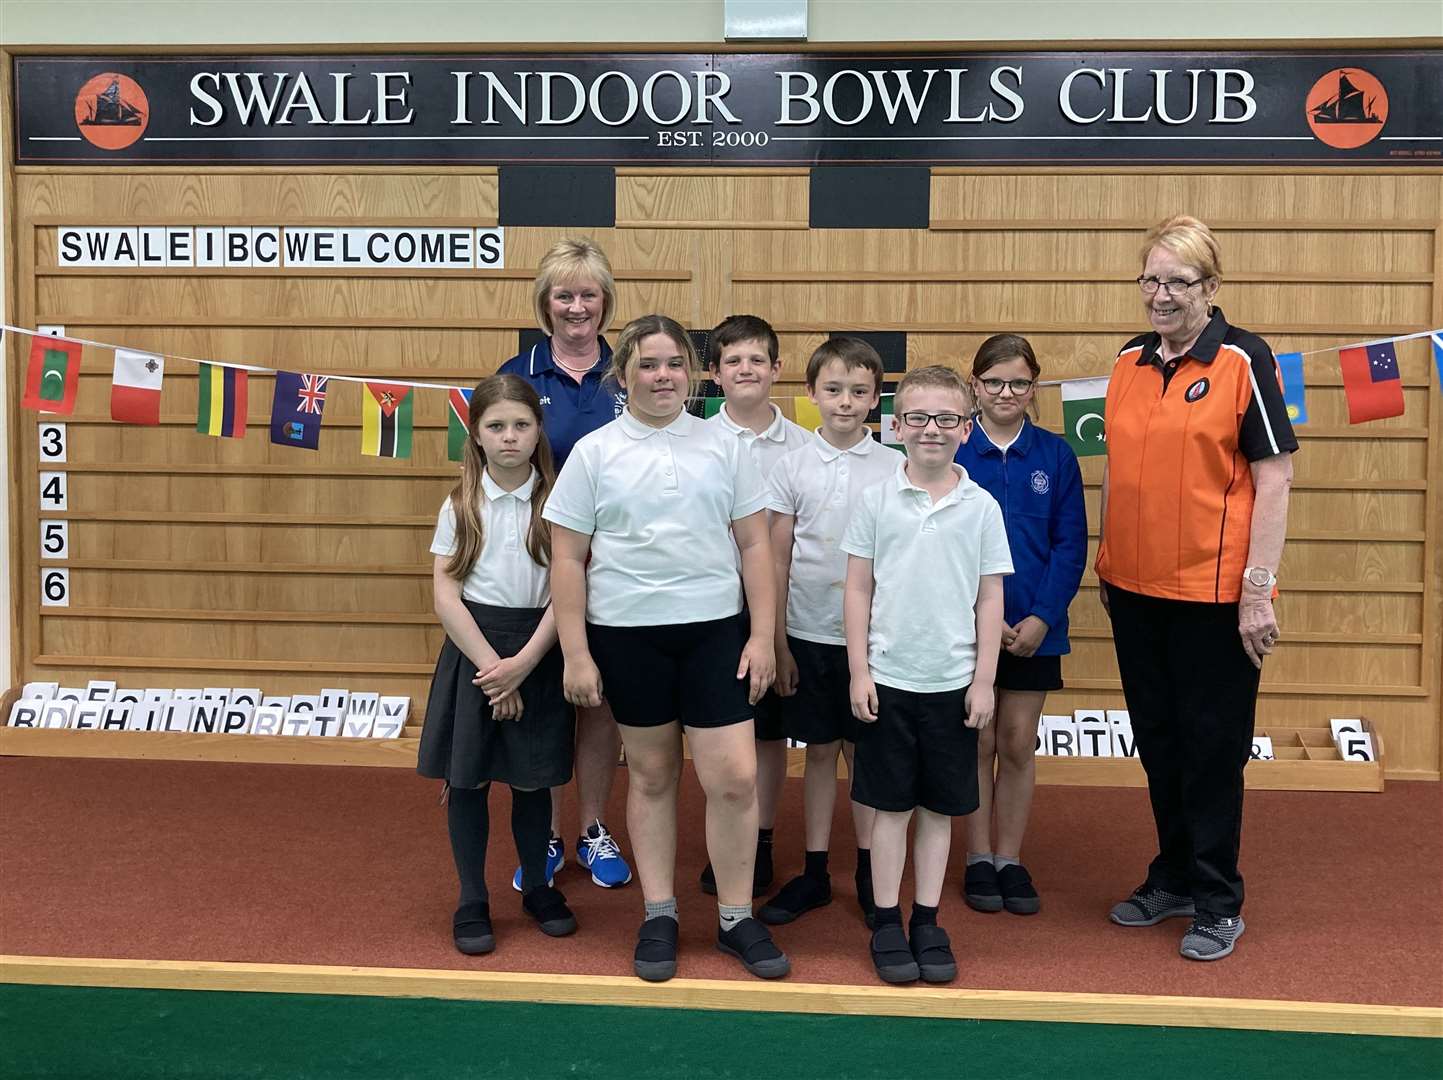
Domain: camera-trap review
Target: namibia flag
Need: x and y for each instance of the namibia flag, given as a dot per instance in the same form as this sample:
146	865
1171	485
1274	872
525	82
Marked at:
221	409
386	420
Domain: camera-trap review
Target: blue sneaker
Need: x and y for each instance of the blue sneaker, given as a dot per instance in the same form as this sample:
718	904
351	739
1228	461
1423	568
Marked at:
555	860
597	852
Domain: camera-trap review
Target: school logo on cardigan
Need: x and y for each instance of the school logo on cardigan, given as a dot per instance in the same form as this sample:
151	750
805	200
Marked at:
1040	482
1197	390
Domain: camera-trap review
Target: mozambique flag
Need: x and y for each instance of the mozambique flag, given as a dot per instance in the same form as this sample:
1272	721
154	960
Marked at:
221	409
458	412
53	375
386	420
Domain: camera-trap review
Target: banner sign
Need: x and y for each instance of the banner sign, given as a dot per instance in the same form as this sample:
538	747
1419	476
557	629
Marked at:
1339	108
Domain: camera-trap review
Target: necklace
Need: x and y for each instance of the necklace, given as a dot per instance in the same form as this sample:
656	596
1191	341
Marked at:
575	370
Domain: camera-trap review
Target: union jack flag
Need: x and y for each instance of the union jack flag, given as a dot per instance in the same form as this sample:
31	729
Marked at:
312	393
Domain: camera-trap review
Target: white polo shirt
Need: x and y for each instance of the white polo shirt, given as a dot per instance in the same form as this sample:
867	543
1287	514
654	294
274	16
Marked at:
658	504
504	574
927	560
780	439
819	486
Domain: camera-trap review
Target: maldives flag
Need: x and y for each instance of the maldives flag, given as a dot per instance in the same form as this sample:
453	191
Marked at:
1371	382
53	375
135	388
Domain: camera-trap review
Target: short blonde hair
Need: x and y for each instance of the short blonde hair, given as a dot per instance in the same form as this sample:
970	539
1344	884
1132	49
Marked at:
1190	240
571	260
935	376
634	332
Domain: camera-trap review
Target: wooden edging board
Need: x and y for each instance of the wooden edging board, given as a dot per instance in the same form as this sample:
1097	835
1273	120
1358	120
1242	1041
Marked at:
942	1003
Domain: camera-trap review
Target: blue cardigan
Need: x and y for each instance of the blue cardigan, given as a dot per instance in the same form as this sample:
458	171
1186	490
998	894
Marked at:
1039	487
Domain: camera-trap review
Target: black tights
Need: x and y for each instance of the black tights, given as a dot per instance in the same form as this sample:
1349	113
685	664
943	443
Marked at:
468	819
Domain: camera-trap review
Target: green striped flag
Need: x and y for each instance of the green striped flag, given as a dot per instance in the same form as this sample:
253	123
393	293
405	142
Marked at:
386	420
458	411
890	435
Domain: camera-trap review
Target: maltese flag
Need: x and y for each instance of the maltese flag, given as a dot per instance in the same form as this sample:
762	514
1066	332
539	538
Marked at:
135	389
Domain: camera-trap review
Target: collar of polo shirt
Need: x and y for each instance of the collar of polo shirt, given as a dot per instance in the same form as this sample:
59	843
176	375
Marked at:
965	489
494	490
827	452
776	433
677	429
1204	350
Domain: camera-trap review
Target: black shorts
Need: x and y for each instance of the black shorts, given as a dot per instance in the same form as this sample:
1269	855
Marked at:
919	752
821	709
769	717
654	675
1028	672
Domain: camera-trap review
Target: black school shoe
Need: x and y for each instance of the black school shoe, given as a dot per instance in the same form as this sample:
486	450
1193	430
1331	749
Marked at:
471	929
655	958
932	950
547	906
761	873
1018	895
892	956
798	896
751	943
980	887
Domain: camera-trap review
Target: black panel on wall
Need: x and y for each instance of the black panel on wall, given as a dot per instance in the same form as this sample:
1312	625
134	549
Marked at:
556	195
870	197
891	346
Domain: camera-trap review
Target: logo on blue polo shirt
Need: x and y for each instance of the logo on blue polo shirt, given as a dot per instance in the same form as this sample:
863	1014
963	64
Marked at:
620	402
1040	482
546	399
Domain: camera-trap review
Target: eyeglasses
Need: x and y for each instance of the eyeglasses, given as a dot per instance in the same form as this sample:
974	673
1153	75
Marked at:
1017	386
946	420
1174	285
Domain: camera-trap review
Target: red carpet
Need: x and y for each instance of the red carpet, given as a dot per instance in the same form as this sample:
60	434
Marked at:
309	865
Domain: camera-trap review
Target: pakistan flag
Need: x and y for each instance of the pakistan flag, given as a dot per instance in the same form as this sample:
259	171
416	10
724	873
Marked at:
1082	406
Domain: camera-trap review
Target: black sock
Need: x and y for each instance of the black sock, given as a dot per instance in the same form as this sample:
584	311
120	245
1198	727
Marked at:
922	915
468	820
889	916
764	836
864	862
531	828
816	866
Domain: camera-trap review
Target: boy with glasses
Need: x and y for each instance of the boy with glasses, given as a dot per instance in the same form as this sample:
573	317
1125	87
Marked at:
923	614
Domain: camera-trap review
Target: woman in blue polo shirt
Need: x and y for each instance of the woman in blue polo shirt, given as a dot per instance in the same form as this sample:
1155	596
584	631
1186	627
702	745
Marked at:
575	297
1034	477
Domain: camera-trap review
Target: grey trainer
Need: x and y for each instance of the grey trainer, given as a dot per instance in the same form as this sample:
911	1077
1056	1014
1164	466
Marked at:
1211	937
1149	905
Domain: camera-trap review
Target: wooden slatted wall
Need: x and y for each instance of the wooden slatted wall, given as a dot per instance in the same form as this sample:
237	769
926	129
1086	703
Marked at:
198	561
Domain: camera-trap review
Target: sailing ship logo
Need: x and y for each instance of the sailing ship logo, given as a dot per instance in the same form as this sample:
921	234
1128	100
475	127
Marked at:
1347	108
111	111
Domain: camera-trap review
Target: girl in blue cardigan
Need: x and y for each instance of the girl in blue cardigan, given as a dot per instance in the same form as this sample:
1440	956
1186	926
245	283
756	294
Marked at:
1034	477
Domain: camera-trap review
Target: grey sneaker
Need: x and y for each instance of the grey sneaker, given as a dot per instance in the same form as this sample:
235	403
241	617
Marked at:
1149	905
1211	937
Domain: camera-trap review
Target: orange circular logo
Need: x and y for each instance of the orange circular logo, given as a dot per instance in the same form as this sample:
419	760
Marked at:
112	111
1347	108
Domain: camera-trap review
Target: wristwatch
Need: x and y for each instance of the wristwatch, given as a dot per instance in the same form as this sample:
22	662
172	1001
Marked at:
1260	576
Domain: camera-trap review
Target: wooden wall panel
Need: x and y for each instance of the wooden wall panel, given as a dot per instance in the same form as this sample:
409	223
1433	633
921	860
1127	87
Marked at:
198	561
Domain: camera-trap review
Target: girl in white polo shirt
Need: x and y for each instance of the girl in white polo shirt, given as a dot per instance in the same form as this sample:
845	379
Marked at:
496	710
661	502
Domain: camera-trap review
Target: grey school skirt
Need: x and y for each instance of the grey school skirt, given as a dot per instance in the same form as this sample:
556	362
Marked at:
464	745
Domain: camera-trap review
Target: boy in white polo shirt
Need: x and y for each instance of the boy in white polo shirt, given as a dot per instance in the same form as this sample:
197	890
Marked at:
814	492
923	613
743	356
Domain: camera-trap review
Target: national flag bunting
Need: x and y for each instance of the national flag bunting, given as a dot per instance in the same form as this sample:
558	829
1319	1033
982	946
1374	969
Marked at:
1437	340
710	406
1083	404
1371	381
458	413
1290	365
221	406
807	415
135	387
887	428
296	409
53	375
386	420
